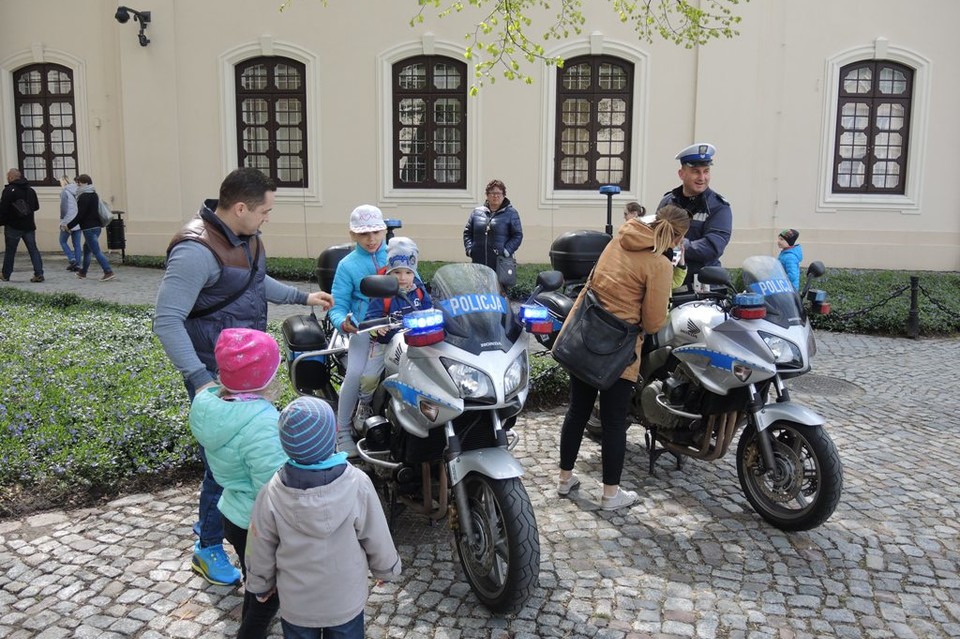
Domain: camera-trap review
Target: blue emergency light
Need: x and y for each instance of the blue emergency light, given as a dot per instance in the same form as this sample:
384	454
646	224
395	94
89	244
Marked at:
423	327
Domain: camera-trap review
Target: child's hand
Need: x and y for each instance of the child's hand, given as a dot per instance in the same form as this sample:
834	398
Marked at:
347	326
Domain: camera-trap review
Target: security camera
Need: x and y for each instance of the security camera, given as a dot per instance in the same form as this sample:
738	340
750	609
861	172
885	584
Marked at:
143	17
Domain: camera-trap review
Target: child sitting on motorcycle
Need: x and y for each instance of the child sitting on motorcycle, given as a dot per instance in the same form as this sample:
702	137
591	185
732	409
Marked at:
402	258
367	229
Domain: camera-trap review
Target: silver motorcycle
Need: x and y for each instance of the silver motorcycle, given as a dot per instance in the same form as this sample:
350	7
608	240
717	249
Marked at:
440	440
718	368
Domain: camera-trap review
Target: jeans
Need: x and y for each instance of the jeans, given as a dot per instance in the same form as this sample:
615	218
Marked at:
209	524
73	256
353	629
255	616
91	244
614	403
12	239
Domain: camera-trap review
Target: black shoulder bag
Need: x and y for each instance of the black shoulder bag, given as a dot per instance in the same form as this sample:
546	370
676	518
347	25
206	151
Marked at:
595	345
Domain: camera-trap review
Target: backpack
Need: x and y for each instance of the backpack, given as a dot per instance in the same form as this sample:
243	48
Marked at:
386	302
22	208
106	215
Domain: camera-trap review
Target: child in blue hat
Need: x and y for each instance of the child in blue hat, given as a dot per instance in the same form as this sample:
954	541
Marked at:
402	258
317	530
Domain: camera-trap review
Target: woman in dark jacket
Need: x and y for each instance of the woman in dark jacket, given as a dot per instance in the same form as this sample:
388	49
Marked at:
88	219
493	229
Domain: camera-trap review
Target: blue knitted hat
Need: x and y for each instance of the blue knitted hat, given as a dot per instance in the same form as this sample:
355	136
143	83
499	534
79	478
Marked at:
308	430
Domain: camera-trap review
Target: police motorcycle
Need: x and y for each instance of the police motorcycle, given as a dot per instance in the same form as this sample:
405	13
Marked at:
439	442
718	368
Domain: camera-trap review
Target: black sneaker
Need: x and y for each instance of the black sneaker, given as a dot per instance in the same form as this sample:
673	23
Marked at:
73	268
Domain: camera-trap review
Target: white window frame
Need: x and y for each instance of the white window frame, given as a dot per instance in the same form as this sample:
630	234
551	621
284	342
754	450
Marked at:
40	54
596	44
267	46
909	202
473	193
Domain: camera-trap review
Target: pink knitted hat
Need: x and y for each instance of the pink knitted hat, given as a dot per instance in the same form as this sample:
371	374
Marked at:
248	359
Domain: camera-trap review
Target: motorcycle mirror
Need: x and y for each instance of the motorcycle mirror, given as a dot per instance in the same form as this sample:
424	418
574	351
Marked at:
379	286
549	280
715	275
816	269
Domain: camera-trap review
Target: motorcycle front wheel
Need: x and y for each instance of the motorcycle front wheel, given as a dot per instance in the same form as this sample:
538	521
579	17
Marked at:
502	559
804	489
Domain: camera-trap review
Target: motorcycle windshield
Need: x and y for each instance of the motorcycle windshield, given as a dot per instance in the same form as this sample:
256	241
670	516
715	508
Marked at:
765	275
476	317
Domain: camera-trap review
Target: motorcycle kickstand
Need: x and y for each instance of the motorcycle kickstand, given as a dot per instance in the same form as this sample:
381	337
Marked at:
650	438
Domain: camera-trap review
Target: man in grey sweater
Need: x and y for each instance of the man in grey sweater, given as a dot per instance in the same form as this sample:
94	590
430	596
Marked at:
216	278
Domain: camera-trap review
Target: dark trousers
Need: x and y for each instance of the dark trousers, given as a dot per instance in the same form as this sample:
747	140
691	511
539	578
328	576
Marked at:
209	526
353	629
255	616
11	240
614	404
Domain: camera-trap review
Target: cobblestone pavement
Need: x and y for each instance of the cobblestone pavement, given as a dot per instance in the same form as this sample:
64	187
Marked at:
691	559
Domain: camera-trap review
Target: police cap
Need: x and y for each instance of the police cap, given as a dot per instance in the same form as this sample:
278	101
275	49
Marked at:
699	154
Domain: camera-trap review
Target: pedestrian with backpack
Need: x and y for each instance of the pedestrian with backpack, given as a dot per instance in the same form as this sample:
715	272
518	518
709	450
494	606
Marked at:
88	220
17	206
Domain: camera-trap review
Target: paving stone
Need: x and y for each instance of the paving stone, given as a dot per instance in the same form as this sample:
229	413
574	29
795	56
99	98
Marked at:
691	559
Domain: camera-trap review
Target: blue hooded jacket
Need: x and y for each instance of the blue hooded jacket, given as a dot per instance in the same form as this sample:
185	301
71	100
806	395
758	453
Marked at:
790	258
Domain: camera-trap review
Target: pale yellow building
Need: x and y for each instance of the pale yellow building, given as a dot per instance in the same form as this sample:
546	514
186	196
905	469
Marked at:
838	119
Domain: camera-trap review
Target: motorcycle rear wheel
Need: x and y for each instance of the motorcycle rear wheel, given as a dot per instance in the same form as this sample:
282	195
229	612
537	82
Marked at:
810	480
502	561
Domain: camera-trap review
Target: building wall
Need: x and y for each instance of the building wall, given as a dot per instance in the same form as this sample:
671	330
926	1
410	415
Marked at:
155	123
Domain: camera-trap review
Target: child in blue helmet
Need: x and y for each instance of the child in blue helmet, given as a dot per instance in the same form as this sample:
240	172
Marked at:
402	258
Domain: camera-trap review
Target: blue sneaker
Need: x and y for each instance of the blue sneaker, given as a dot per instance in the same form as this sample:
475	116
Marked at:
214	566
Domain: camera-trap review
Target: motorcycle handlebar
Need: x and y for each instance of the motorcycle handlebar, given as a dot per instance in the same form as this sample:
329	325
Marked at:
372	324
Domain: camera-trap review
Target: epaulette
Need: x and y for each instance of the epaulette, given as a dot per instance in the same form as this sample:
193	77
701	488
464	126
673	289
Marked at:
722	199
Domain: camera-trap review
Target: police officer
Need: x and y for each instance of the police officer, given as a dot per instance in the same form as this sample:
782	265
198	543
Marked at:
711	220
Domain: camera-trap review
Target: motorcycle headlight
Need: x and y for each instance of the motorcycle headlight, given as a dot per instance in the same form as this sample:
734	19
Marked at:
472	383
784	351
516	375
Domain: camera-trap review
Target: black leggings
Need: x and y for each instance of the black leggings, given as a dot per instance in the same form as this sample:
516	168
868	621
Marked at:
255	616
614	403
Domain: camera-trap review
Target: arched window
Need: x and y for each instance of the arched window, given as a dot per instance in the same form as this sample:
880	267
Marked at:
873	127
593	126
429	123
46	123
271	118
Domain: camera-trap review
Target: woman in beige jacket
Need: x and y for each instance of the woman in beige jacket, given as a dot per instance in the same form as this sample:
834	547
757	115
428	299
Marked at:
632	279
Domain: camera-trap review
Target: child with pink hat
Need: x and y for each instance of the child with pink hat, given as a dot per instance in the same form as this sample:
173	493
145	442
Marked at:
236	423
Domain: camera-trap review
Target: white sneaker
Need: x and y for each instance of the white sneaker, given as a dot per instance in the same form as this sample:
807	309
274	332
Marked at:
363	412
345	444
622	499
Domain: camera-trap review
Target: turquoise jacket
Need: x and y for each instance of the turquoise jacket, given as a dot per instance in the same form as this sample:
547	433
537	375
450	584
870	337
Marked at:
790	258
347	297
242	444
